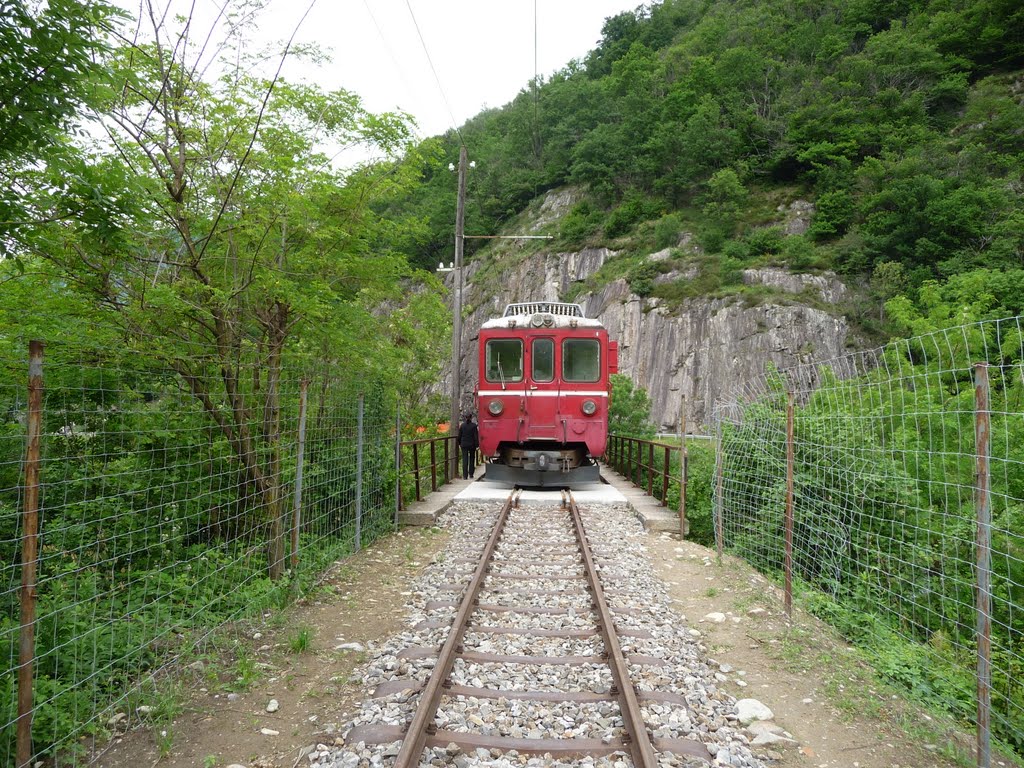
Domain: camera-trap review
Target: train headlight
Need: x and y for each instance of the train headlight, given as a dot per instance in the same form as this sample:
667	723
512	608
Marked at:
589	407
495	407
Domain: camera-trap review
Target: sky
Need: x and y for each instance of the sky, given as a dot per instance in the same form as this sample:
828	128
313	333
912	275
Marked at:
482	50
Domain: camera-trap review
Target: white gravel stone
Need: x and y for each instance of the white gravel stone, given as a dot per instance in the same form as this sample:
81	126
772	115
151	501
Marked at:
749	710
538	543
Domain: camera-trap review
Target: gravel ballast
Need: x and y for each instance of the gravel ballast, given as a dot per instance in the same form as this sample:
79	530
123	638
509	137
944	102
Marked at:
670	657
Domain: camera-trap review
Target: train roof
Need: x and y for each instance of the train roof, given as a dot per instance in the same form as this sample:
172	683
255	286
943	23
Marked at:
543	314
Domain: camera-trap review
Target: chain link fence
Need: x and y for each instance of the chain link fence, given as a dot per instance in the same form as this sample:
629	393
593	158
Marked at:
888	488
174	504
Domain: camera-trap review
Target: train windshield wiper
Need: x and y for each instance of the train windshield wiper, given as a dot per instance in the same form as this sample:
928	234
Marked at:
501	375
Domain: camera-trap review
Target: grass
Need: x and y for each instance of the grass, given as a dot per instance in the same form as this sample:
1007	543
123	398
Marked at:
246	670
853	684
164	739
301	640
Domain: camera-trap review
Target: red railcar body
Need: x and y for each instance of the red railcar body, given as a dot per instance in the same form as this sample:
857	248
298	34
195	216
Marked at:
543	394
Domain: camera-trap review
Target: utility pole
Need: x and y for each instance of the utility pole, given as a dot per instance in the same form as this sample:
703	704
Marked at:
460	216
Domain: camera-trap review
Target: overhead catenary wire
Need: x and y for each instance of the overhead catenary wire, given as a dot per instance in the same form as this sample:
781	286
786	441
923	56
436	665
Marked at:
433	69
394	60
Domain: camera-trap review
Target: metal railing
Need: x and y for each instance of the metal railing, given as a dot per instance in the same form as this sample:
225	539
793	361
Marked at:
413	471
648	464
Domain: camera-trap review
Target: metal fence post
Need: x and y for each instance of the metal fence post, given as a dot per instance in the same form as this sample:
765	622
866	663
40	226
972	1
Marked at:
297	517
359	475
983	509
682	468
29	555
790	462
433	467
398	462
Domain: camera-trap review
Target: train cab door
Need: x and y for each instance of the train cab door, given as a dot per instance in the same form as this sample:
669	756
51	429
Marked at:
542	389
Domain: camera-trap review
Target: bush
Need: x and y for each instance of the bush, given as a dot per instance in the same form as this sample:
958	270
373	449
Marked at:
634	209
801	254
764	241
666	230
580	223
641	277
629	412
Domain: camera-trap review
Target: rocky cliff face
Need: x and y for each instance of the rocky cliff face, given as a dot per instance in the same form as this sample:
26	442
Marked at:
698	351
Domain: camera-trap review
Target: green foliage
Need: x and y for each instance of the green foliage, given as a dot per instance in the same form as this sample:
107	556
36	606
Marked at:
300	640
667	230
896	557
634	209
629	412
53	66
641	277
580	223
901	122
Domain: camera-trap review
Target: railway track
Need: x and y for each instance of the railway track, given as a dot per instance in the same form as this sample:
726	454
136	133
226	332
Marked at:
538	566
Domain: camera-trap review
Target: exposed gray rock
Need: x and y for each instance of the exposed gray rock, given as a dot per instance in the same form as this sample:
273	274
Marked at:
827	285
749	710
556	204
798	215
664	253
688	242
699	350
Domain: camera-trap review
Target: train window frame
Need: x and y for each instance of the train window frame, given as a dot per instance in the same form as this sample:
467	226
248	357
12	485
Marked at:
566	358
533	360
502	376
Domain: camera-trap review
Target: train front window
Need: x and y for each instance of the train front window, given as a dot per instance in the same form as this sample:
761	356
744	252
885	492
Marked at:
581	360
504	360
543	360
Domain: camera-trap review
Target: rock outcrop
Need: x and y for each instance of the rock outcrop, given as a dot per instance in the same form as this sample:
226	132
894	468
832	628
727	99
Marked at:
700	350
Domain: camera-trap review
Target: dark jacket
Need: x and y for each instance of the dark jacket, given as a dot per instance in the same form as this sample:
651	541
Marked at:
469	435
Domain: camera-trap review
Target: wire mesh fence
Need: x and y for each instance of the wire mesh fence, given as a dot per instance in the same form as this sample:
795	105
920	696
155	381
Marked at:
897	506
176	502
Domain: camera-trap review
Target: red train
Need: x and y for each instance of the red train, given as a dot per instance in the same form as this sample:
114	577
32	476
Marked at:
543	395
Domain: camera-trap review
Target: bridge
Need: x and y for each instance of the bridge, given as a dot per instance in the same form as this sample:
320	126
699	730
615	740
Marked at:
137	515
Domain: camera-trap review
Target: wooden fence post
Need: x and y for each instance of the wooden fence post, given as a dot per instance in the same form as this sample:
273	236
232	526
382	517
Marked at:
682	469
983	510
29	556
790	462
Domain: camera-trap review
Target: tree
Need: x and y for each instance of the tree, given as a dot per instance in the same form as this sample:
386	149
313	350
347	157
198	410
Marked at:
52	65
221	239
630	410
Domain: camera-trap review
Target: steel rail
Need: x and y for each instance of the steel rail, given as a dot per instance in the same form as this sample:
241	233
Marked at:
640	746
411	751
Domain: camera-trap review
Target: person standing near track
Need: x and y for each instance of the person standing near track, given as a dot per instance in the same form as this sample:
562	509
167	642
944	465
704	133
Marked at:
469	441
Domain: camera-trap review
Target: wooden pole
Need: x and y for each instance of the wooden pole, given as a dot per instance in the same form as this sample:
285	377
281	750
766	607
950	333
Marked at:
719	487
790	462
460	220
29	556
983	510
398	462
297	504
682	468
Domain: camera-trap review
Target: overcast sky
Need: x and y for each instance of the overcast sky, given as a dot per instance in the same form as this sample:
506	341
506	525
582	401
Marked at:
482	50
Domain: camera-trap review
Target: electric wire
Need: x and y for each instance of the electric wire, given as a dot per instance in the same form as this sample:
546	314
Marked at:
394	61
433	69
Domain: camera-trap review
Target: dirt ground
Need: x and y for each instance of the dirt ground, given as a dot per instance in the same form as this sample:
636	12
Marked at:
821	692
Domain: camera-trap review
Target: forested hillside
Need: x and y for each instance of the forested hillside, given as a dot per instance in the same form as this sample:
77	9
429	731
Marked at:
902	121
